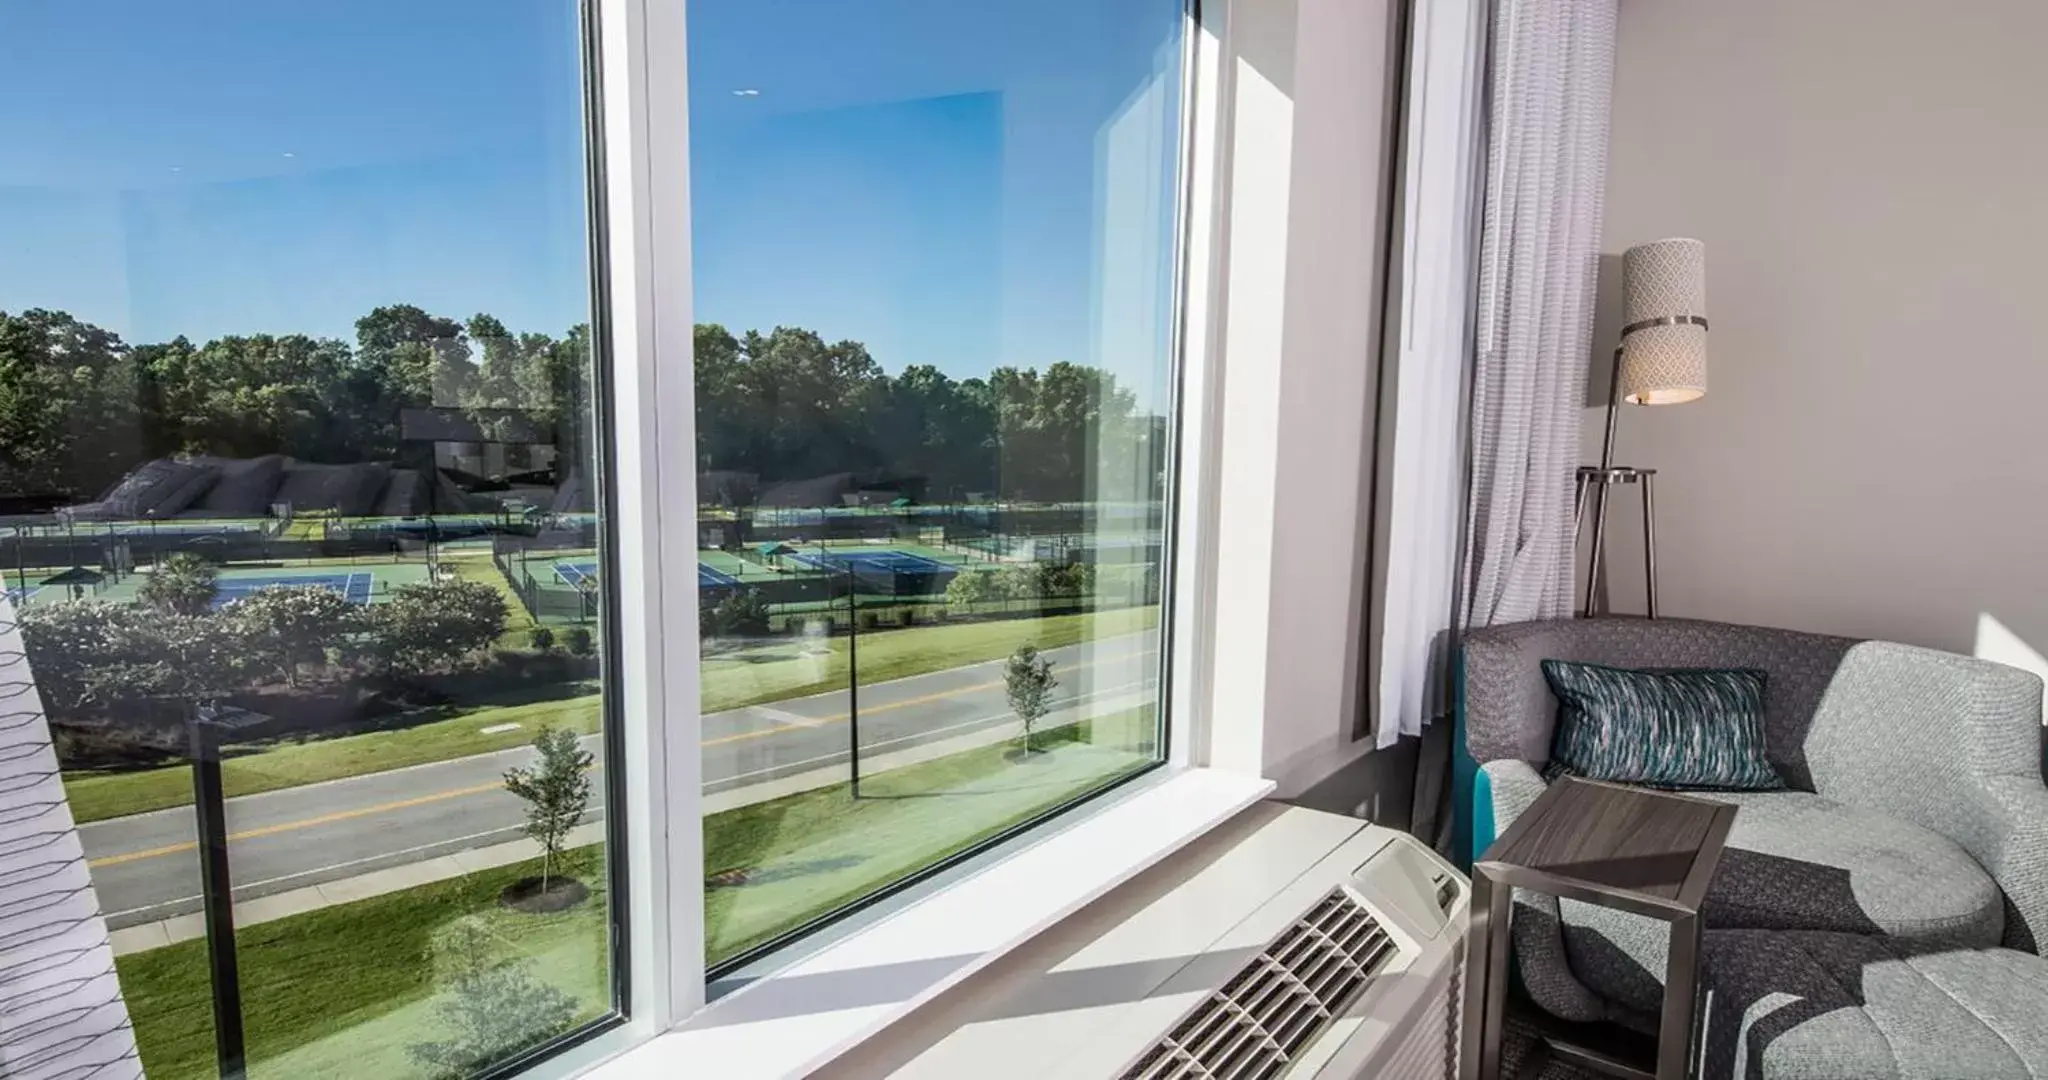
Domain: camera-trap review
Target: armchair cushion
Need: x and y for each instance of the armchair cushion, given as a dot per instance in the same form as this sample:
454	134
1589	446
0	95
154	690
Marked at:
1798	861
1691	728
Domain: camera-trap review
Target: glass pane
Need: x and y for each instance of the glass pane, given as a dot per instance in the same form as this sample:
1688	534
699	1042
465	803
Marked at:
299	471
934	266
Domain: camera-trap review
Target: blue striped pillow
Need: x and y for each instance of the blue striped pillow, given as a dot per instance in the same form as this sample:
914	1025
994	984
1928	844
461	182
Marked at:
1674	728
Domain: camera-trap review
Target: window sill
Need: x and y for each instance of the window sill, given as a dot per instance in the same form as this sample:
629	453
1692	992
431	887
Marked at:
794	1021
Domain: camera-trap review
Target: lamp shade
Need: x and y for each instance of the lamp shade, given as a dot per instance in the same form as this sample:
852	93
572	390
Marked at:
1664	323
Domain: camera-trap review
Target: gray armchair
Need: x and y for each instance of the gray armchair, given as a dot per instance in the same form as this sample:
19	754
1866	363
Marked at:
1914	808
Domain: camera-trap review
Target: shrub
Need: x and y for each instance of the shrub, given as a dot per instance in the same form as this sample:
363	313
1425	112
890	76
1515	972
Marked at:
433	625
183	584
1029	683
970	587
743	612
541	638
95	654
579	641
285	627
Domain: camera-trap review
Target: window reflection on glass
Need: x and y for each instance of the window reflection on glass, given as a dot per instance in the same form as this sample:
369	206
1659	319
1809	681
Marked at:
299	496
933	260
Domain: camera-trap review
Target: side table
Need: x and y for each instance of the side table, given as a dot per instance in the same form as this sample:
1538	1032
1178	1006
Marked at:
1633	849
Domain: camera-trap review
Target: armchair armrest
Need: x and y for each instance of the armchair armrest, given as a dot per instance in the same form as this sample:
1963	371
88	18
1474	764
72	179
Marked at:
1952	744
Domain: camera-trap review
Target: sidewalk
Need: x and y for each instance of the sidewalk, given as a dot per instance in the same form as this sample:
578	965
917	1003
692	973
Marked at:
168	931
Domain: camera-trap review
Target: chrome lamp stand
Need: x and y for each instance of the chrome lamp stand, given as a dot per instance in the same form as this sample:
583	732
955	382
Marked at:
1598	480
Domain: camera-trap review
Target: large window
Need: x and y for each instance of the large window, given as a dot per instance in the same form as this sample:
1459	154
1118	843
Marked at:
320	429
303	529
933	256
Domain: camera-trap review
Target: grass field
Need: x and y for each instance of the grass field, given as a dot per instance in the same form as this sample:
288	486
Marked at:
343	991
744	677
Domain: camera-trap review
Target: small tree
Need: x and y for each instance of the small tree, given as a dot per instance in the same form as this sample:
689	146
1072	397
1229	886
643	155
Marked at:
1029	680
183	584
494	1006
556	790
288	626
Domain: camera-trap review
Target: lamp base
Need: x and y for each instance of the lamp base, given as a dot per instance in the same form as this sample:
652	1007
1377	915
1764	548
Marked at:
1602	477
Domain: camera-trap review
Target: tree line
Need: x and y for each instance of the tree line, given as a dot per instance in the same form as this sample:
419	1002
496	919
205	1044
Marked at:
79	407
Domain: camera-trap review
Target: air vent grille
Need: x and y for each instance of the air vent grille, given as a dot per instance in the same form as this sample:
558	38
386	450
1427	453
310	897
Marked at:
1446	892
1254	1026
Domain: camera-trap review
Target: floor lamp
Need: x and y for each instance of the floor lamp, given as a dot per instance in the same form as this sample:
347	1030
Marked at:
1662	360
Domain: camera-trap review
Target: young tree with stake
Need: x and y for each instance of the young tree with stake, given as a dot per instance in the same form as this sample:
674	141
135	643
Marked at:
1029	679
556	790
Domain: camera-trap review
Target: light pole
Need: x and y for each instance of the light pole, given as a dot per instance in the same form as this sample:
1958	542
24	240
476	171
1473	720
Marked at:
852	669
205	728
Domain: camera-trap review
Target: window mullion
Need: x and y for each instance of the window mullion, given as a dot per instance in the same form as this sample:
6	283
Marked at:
646	140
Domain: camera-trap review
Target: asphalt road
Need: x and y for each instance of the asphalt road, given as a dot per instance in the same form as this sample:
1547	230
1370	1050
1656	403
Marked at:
145	866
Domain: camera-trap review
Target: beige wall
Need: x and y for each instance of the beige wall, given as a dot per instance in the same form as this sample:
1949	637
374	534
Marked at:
1871	181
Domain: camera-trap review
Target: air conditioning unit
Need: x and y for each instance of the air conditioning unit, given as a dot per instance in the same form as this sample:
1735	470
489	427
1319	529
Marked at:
1288	943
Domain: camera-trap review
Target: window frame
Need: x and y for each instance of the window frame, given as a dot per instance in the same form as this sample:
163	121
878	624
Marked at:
638	138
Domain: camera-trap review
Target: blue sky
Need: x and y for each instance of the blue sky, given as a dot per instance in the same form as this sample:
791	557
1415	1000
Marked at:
957	182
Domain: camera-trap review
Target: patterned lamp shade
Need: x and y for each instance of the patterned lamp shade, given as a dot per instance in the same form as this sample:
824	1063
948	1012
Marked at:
1664	335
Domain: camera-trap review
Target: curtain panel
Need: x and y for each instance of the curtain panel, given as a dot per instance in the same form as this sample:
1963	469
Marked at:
1546	174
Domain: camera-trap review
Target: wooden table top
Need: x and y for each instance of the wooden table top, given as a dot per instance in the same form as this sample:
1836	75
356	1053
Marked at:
1624	847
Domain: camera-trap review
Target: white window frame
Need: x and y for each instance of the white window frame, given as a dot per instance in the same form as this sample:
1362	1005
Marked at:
1052	871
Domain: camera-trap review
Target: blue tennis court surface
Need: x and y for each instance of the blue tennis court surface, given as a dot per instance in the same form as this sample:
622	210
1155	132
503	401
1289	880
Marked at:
892	562
354	587
17	595
578	573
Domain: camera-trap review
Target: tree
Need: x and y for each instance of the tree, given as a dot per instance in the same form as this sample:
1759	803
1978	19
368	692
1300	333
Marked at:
434	624
288	626
971	587
556	790
183	584
493	1004
742	612
1029	680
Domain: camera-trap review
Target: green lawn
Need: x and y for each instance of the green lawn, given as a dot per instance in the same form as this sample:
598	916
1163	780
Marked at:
802	856
732	680
343	991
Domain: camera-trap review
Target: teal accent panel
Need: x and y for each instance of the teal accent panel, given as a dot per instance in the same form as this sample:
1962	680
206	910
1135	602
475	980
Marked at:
1471	795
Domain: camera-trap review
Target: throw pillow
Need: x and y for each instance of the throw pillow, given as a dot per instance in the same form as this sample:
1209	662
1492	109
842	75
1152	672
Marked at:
1675	728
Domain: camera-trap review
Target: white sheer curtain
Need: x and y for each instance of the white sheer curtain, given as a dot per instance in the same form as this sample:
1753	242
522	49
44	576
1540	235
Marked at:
61	1013
1423	484
1553	77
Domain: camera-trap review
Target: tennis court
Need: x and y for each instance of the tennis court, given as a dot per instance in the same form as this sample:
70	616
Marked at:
886	562
577	575
580	573
354	587
16	595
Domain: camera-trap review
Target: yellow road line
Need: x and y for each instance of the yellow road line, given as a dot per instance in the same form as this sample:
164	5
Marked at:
308	823
457	793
